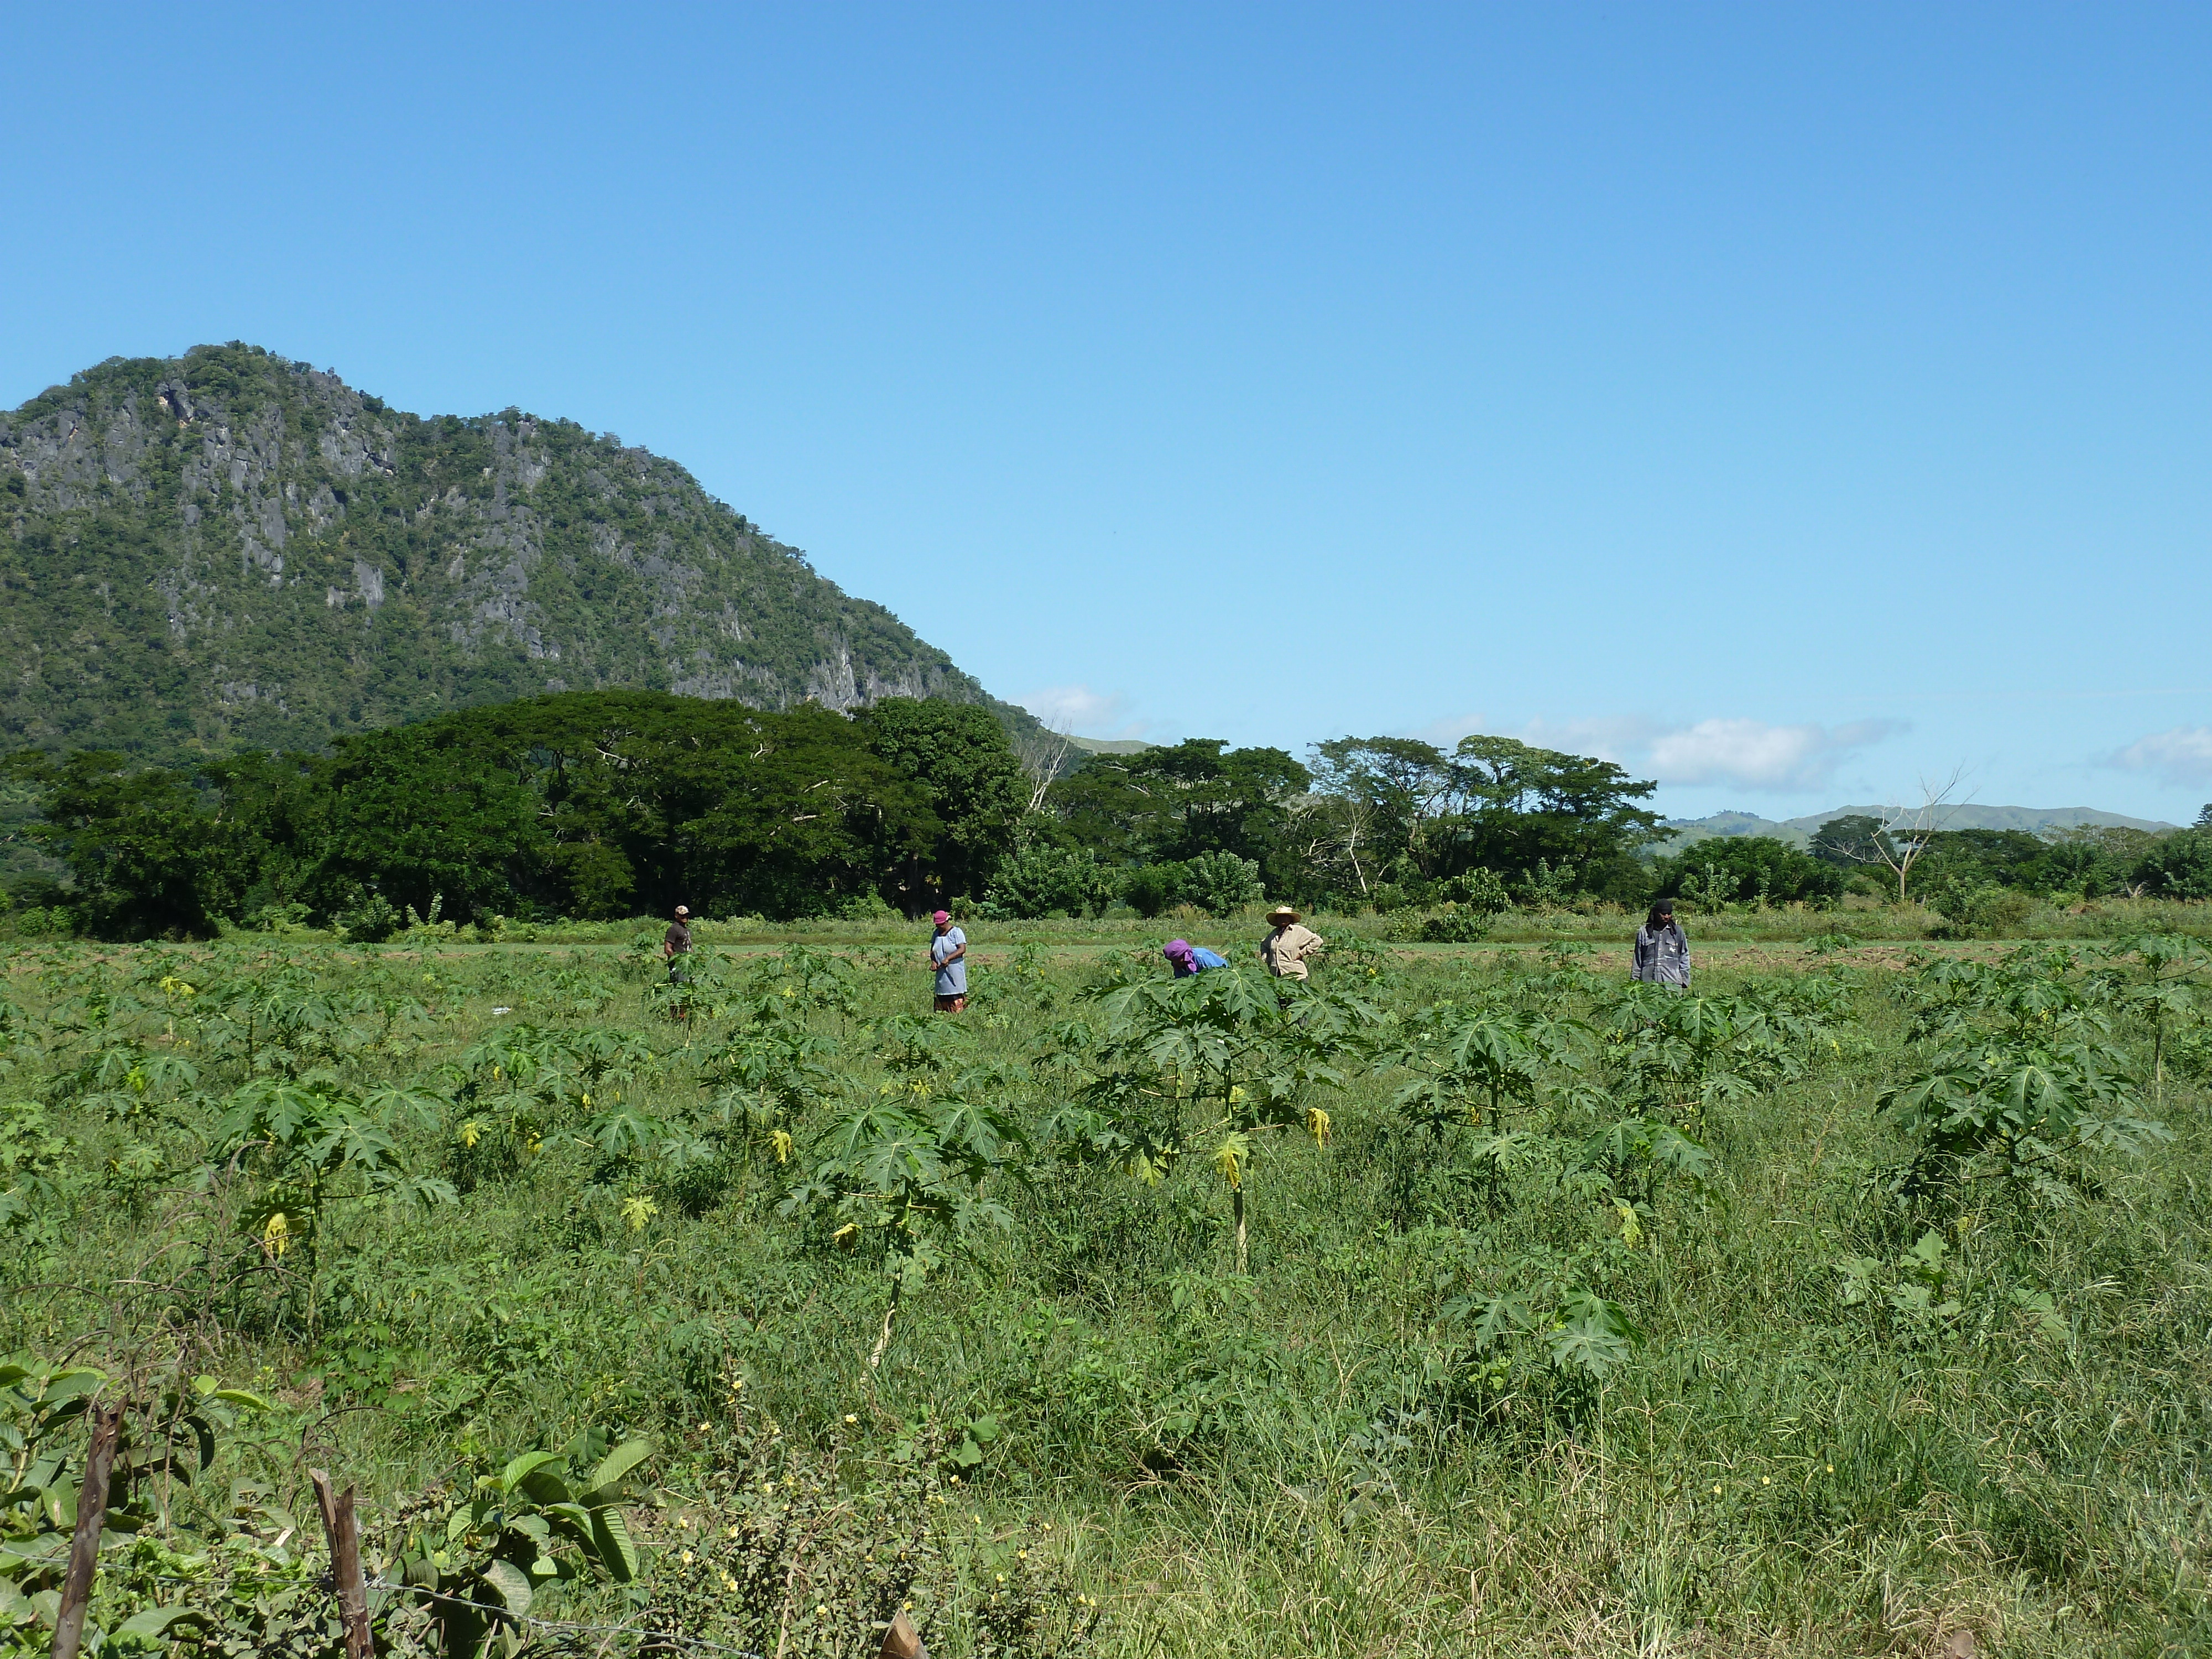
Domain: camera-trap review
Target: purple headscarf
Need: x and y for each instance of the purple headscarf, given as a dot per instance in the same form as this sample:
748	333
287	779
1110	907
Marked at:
1179	952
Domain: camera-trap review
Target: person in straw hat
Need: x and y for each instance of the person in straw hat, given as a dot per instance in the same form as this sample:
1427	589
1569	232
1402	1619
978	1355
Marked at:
1288	949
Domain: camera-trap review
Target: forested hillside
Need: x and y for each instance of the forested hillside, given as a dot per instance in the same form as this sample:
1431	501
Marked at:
230	551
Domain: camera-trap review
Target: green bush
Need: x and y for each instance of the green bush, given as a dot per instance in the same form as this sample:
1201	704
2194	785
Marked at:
1456	924
1981	907
1043	880
1745	870
1156	887
1221	883
1478	889
2178	866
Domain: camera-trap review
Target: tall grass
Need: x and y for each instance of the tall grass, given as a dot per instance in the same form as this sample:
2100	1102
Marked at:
1313	1464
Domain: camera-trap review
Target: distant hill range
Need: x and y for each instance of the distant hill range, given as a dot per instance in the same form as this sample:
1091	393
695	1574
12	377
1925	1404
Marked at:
227	550
1110	745
1798	832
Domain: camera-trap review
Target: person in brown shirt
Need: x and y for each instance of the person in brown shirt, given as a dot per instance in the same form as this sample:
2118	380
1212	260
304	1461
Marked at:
1287	950
676	944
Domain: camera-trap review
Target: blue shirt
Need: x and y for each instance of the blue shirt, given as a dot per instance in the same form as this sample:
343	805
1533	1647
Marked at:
951	977
1205	958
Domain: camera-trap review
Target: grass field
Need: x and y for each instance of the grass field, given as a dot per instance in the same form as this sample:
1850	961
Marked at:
1569	1321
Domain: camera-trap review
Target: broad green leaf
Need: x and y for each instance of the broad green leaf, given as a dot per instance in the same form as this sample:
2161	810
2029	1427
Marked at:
617	1463
240	1397
155	1620
511	1582
511	1477
69	1385
611	1535
546	1487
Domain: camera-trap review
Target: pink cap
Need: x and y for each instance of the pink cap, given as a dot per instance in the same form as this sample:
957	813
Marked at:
940	916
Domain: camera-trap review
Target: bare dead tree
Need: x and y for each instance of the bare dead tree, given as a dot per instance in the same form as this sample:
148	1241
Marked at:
1906	832
1043	755
1329	833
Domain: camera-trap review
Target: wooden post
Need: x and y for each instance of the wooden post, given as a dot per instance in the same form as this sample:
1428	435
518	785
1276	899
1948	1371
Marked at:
339	1528
902	1640
84	1542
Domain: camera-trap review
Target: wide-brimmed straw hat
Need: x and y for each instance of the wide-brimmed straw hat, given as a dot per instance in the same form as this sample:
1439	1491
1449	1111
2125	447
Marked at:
1283	910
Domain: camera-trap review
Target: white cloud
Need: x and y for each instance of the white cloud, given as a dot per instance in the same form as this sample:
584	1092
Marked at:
1755	755
1085	712
1747	754
2183	755
1621	738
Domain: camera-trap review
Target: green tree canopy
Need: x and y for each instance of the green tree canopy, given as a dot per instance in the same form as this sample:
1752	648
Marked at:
1172	803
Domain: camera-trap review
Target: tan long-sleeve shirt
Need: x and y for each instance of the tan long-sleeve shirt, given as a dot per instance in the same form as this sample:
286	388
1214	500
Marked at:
1285	949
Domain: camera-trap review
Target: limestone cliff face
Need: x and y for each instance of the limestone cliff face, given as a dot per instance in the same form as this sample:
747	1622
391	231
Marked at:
227	549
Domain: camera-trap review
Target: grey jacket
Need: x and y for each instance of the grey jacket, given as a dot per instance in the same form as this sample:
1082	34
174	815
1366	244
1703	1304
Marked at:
1663	957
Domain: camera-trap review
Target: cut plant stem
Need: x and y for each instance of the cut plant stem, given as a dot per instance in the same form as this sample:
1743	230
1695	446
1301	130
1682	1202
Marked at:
884	1338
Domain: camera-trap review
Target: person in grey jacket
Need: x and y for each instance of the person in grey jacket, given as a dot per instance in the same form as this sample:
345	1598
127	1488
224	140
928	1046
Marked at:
1662	951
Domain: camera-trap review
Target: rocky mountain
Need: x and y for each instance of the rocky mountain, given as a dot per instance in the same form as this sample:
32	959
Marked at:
228	549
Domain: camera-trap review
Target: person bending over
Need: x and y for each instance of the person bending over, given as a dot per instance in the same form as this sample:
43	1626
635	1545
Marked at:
1187	959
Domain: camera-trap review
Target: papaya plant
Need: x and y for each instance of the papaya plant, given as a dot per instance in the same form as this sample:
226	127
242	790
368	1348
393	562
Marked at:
1240	1047
307	1141
908	1169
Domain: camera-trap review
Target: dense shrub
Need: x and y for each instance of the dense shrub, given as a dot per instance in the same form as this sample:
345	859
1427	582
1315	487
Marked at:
2178	866
1221	883
1045	880
1741	869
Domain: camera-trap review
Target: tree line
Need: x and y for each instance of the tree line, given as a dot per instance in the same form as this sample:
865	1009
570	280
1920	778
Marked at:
609	804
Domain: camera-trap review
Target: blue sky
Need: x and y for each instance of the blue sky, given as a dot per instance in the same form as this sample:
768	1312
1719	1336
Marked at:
1790	401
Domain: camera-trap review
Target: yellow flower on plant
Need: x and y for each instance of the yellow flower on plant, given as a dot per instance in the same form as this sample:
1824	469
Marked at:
780	1141
1317	1125
1631	1230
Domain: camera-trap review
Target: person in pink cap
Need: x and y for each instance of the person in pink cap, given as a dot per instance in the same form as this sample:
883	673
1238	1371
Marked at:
948	955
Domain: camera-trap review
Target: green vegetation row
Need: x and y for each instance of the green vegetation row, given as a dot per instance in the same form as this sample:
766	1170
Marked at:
1476	1299
599	805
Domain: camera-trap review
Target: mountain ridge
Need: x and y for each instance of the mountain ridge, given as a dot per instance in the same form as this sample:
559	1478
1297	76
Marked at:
1799	831
230	550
